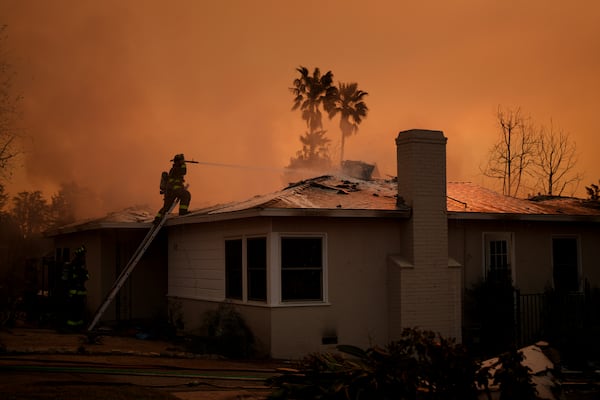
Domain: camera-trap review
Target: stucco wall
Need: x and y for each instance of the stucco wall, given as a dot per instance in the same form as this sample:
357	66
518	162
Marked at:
355	308
196	256
357	252
532	247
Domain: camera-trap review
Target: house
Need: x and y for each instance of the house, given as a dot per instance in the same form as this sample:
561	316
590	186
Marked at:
336	259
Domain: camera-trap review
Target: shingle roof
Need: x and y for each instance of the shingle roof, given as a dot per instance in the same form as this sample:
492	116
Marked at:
130	217
466	197
333	195
330	192
325	192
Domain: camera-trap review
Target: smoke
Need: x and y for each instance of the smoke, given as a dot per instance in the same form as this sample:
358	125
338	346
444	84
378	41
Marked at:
112	89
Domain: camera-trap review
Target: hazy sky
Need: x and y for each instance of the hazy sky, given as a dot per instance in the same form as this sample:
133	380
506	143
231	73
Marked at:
114	88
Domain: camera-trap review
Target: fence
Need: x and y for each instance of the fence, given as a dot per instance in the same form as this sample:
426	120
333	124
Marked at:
551	315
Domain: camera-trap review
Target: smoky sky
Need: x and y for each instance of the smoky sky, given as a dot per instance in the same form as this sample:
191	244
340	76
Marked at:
113	89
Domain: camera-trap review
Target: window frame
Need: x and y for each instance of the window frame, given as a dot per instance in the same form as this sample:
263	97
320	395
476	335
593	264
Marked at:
245	282
508	237
278	270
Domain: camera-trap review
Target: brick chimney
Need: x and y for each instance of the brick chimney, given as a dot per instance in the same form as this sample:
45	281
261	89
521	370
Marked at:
425	292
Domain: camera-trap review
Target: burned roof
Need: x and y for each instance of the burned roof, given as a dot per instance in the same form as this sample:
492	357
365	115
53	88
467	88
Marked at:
321	196
351	197
131	217
325	192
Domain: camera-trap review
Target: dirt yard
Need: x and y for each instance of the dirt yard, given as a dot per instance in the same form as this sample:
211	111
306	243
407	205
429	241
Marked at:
44	364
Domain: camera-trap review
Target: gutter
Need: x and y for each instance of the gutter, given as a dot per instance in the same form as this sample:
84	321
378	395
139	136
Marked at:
290	212
473	216
96	226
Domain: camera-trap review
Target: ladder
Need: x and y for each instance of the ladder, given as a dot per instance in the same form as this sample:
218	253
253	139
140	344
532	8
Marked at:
133	261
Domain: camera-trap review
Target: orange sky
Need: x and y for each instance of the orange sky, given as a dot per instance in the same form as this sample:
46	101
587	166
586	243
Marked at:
114	88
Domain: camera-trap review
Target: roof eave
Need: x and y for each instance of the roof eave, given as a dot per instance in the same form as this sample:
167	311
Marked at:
290	212
522	217
96	226
337	212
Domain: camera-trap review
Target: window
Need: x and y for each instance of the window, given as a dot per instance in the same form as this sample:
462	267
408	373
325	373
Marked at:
301	268
247	262
257	268
498	257
233	269
565	264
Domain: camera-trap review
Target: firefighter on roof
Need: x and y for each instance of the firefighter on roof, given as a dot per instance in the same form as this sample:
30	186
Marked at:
174	188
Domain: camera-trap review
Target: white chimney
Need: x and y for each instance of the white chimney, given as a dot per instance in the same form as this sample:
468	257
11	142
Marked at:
430	290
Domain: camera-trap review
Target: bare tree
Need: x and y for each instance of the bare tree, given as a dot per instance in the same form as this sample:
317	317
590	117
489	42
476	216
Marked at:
3	197
511	157
30	211
555	161
9	111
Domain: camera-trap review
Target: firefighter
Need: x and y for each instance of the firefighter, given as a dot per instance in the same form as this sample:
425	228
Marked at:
75	275
175	189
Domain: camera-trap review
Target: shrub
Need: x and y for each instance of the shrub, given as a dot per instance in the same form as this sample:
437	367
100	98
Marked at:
226	333
420	365
490	305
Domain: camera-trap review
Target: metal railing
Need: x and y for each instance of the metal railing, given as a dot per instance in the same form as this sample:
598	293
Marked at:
542	316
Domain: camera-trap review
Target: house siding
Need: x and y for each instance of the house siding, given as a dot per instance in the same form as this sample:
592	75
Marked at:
355	310
197	257
357	306
532	247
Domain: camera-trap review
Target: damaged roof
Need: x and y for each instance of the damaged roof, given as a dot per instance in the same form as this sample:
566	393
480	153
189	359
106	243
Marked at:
325	192
131	217
320	196
350	197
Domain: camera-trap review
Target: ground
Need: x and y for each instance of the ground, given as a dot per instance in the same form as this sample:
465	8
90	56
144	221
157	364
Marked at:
44	364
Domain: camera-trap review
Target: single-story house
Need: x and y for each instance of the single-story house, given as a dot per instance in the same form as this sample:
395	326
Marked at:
337	259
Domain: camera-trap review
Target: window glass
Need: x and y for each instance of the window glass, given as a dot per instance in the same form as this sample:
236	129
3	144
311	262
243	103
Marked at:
497	250
301	268
257	268
565	264
233	269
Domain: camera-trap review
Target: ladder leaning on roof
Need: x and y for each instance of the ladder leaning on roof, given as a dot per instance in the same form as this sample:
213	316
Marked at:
133	261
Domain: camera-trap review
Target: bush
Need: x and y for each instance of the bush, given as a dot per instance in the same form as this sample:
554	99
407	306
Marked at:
225	333
421	365
490	305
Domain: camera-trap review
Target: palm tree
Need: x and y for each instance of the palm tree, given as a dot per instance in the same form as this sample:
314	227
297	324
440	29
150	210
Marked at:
352	109
311	93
